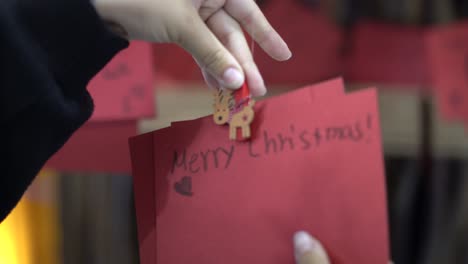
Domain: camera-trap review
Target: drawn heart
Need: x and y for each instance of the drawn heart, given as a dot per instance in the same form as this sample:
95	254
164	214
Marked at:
184	186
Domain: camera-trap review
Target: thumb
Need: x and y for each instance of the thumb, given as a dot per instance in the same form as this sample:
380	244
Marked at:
210	54
308	250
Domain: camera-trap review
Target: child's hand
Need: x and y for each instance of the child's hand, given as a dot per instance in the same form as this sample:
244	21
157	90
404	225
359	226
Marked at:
211	30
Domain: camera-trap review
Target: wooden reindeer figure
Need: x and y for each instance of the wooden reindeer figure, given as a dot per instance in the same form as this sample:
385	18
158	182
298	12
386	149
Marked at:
237	115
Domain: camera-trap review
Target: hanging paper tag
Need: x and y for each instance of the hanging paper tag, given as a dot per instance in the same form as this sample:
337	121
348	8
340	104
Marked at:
124	89
448	60
306	152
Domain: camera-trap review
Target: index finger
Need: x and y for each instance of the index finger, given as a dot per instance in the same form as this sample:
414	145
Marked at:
249	15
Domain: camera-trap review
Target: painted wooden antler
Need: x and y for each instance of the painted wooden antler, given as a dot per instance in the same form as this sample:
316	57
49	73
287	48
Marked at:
236	114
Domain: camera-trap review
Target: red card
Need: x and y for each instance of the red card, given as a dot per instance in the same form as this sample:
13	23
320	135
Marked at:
97	147
175	64
385	53
236	214
315	41
124	89
448	56
326	90
141	151
123	92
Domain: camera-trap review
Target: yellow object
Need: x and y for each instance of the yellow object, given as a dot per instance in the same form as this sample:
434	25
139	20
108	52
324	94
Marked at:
30	233
15	240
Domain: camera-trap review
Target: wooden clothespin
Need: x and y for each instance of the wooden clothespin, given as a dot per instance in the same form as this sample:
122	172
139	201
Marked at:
235	108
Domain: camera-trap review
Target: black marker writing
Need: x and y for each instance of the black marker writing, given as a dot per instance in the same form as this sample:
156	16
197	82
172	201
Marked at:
317	136
114	73
193	161
271	144
305	142
203	160
251	152
352	132
176	163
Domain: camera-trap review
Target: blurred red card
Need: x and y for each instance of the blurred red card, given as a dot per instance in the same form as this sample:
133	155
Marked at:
212	200
96	147
447	48
315	41
386	53
124	89
123	92
172	63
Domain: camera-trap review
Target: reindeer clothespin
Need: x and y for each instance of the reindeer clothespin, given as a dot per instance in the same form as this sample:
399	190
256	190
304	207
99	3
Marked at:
235	109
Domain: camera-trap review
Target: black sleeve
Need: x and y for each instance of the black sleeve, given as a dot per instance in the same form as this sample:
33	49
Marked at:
49	50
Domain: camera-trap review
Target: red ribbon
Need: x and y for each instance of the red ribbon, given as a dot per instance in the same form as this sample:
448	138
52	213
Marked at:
242	93
241	97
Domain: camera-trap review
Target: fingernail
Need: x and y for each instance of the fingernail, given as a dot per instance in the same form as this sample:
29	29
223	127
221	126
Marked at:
303	243
261	91
288	53
233	78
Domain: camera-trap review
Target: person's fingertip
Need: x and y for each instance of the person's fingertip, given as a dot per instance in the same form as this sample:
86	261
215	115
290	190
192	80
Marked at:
258	90
254	79
286	53
258	93
303	243
278	49
308	250
232	78
289	54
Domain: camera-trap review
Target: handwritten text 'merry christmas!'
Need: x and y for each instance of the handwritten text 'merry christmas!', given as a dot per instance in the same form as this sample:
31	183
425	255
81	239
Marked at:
268	144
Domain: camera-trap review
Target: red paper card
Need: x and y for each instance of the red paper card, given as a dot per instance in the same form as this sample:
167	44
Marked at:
124	89
96	147
315	41
254	214
326	90
389	54
142	151
448	56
